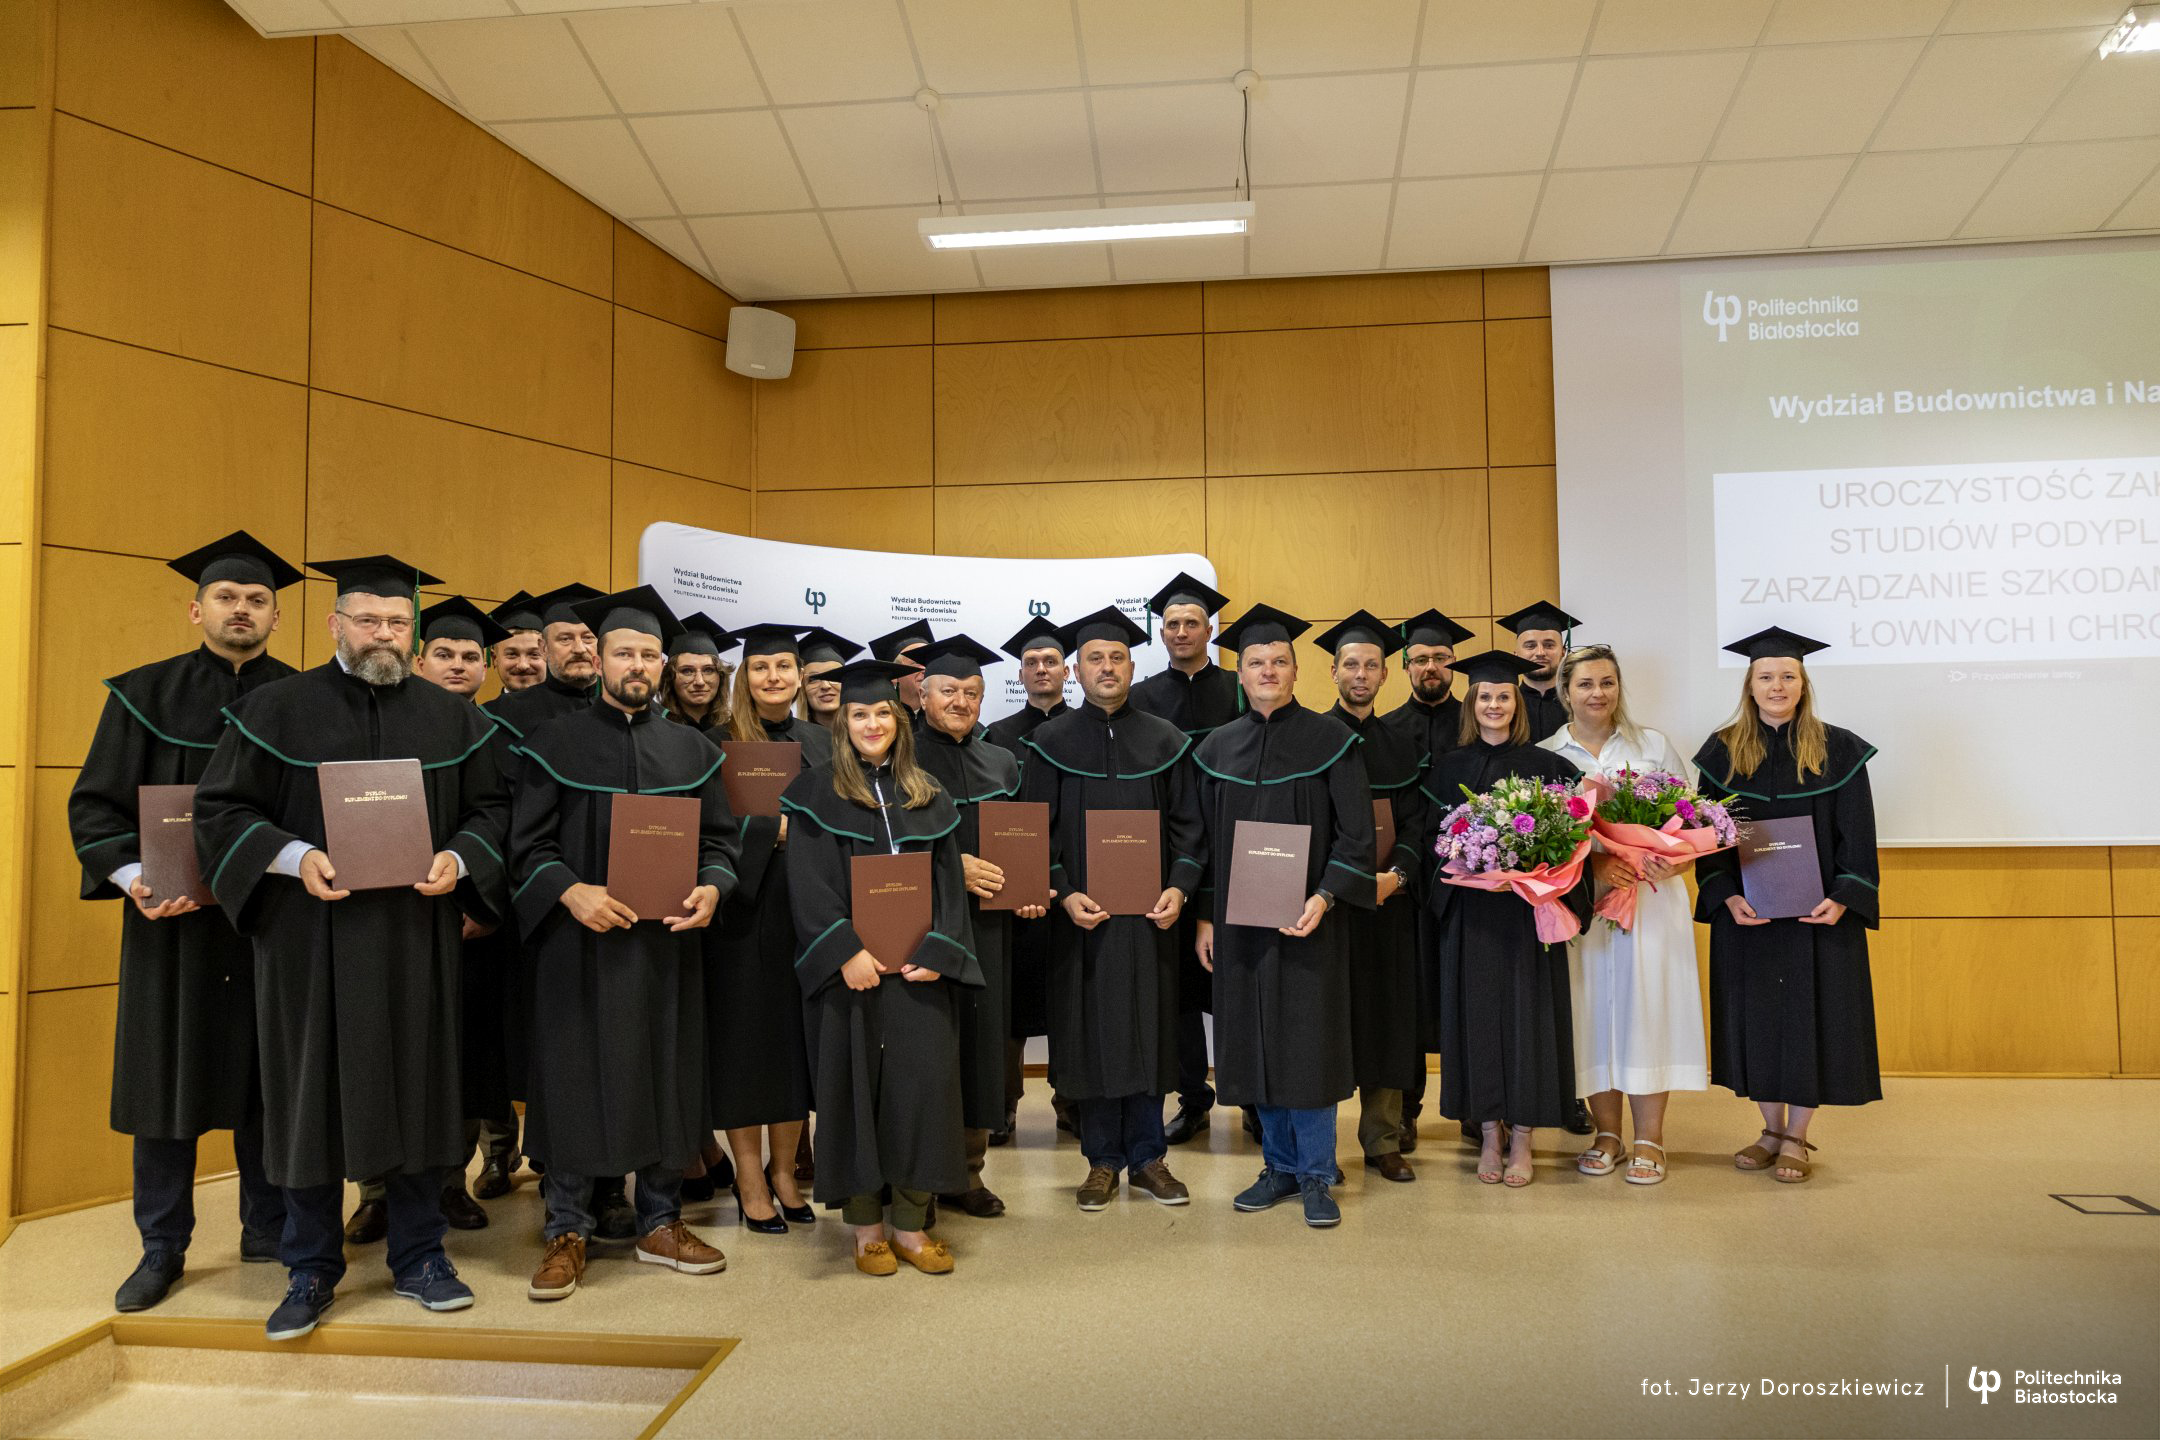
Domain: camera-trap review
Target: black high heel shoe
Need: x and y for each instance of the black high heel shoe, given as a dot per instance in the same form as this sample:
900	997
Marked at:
770	1225
793	1214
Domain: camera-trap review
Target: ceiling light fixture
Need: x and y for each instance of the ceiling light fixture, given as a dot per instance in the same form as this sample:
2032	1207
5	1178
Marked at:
1072	227
2139	29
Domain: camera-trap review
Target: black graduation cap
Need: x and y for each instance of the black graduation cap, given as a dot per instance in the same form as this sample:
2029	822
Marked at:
1262	625
459	619
383	575
866	682
1542	615
1495	667
1776	643
520	612
892	642
1185	590
957	656
820	646
1038	634
239	556
640	609
766	640
1363	628
701	635
559	606
1433	628
1108	623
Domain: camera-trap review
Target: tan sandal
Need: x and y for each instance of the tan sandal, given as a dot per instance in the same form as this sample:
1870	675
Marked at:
1799	1164
1756	1157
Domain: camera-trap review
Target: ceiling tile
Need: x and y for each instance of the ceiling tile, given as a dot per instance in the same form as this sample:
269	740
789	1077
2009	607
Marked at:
1630	27
394	47
1606	214
1317	130
1819	20
1757	205
596	158
1291	37
1470	220
1126	42
1972	15
2110	99
677	57
1012	45
884	252
522	69
1813	99
840	50
1321	229
674	237
765	257
1892	199
2143	210
1198	257
1036	267
1485	118
284	17
400	12
723	163
1982	89
1168	137
1649	110
2063	189
1480	32
1010	147
880	154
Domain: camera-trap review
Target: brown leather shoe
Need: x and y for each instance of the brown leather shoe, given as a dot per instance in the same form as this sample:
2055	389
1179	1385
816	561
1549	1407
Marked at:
1391	1167
674	1246
876	1258
1155	1179
560	1269
978	1202
932	1259
1096	1190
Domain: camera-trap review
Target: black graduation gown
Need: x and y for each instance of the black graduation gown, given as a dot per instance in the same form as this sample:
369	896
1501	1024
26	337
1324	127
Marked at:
1505	1027
1113	989
1198	704
757	1051
1792	1006
887	1061
184	1042
618	1041
1028	973
1433	730
972	771
1386	1045
1282	1006
356	1000
1546	712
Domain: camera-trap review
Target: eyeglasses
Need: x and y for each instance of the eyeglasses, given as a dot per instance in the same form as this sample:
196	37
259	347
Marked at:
373	624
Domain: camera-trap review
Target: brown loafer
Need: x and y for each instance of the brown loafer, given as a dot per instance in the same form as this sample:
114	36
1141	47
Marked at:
1096	1190
932	1259
876	1258
1391	1167
979	1202
674	1246
561	1268
1154	1178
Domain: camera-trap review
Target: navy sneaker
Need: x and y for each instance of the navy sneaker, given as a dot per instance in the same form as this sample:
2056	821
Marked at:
153	1279
305	1300
1272	1186
435	1285
258	1247
1321	1211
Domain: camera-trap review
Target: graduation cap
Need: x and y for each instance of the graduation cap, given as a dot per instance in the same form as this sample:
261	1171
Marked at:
1542	615
1038	634
821	646
1776	643
383	575
520	612
956	655
559	606
239	557
1185	590
701	635
459	619
1363	628
640	609
1261	625
890	644
866	682
1433	628
766	640
1108	623
1495	667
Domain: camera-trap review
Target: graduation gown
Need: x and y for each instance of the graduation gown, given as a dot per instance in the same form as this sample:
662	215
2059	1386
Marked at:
1197	704
1505	1026
887	1060
757	1052
1792	1006
1028	969
184	1040
1387	1048
1282	1005
1432	729
356	1000
1546	712
618	1041
972	771
1113	989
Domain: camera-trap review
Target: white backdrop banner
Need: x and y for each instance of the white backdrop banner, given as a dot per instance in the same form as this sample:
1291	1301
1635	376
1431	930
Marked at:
741	581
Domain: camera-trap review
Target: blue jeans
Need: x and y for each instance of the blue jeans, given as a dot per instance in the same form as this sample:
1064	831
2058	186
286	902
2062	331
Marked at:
314	1241
1124	1134
570	1201
1298	1142
165	1190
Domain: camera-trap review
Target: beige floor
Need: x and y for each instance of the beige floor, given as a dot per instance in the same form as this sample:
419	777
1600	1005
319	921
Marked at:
1928	1239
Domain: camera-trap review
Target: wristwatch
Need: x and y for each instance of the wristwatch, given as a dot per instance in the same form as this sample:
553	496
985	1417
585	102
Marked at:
1326	899
1402	881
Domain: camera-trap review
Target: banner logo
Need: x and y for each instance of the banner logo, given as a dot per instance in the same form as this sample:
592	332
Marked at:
1722	311
1038	608
815	599
1984	1382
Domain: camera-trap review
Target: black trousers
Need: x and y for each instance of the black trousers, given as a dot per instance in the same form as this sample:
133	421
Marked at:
315	1230
165	1189
1194	1092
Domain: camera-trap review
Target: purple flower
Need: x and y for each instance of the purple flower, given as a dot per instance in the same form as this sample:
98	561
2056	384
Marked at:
1524	824
1685	809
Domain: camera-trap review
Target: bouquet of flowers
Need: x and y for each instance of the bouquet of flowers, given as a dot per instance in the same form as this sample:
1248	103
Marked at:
1654	813
1528	836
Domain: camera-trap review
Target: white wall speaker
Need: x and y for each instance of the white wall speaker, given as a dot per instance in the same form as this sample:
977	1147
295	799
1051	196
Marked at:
760	343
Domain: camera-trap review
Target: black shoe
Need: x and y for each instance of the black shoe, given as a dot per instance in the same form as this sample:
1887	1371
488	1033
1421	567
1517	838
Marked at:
1269	1189
497	1177
617	1220
978	1202
1340	1178
258	1247
1409	1134
721	1172
369	1223
770	1225
1063	1111
460	1211
1321	1211
1003	1135
305	1300
1186	1125
435	1284
1579	1121
698	1189
153	1279
793	1214
1252	1124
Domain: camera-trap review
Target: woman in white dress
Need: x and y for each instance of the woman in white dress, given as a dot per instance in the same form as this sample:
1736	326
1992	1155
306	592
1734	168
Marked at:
1638	998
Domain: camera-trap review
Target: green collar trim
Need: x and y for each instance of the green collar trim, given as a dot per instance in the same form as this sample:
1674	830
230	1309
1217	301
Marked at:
814	818
144	721
520	734
1726	784
1182	751
1281	779
562	779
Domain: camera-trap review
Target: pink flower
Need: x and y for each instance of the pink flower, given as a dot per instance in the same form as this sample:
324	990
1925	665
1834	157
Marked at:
1524	824
1685	809
1459	826
1578	808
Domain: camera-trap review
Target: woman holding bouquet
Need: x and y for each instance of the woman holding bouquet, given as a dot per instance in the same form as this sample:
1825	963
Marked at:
1637	998
1792	1009
1507	1054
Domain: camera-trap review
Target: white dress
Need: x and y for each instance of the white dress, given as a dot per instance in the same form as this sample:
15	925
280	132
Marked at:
1637	994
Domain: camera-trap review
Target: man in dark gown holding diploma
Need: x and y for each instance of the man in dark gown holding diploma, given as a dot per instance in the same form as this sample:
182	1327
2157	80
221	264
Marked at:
184	1042
1113	978
356	991
618	1066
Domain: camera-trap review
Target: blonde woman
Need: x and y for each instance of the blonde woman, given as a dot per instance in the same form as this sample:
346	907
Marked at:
822	652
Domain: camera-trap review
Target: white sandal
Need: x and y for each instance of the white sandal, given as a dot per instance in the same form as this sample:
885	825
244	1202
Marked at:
1594	1161
1655	1167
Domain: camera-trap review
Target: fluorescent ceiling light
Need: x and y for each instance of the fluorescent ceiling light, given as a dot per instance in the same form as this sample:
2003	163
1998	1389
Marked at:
2139	29
1071	227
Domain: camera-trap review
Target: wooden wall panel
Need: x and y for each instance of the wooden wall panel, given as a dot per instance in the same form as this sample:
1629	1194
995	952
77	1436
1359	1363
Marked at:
1519	392
1997	996
14	589
220	449
72	941
1109	517
1525	509
850	519
18	428
22	38
22	211
2137	990
677	405
647	278
1406	528
1510	294
67	1151
1308	301
161	250
972	316
2136	879
1117	409
410	323
1978	883
847	419
389	150
1392	397
192	76
873	320
644	497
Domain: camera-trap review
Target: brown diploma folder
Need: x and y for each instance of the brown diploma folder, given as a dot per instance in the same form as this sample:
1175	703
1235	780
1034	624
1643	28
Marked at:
1780	872
1015	837
652	853
1383	824
889	902
166	827
1267	874
1124	860
375	823
756	771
